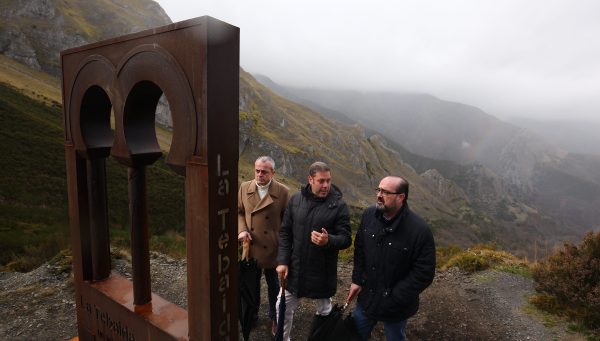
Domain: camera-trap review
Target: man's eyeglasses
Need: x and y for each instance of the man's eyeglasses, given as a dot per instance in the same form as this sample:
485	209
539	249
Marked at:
384	192
262	171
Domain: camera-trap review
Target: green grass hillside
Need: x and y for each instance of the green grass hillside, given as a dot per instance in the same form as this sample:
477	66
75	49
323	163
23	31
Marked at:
33	198
35	84
32	182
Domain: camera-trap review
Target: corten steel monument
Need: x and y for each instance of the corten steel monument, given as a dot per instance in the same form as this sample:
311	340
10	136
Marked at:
195	63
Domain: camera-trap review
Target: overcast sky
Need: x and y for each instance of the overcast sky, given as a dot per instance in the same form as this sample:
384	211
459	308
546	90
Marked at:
536	58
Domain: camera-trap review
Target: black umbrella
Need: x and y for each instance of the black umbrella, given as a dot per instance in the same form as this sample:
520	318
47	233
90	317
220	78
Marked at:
333	326
249	291
281	315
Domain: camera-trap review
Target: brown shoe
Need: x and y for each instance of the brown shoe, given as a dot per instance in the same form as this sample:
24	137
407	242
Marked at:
274	328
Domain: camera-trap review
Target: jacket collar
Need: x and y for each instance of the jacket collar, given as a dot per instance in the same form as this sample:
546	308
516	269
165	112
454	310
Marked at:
334	193
268	199
393	223
274	189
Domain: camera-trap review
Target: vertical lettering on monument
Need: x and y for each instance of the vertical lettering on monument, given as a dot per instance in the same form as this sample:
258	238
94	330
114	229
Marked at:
224	262
117	79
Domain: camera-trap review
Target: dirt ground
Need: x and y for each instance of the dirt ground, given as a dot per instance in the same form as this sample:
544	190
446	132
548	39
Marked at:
489	305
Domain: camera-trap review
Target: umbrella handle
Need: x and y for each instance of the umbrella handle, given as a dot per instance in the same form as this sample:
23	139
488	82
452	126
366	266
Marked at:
282	283
245	250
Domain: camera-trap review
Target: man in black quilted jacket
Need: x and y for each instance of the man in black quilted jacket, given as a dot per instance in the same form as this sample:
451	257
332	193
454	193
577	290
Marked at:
394	261
315	226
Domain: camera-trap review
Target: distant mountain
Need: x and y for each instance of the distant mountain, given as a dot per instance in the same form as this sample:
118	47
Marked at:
525	166
34	32
579	137
283	91
464	202
431	127
447	193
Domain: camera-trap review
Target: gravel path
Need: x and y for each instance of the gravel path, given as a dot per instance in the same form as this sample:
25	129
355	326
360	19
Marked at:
488	305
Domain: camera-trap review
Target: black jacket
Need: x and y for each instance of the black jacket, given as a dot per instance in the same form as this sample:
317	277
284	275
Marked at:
394	261
312	269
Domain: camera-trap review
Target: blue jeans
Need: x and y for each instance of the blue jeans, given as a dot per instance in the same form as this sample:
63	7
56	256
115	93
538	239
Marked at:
394	331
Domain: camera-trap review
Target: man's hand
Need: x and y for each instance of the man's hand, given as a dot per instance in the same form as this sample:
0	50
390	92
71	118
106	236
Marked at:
354	290
244	236
319	238
282	271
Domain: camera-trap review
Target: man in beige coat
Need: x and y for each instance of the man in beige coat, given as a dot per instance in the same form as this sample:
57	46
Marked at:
261	204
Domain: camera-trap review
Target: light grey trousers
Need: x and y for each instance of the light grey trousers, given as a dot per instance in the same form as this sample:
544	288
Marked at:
324	307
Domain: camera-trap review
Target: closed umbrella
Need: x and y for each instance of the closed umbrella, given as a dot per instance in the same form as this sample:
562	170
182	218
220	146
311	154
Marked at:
249	285
281	314
333	326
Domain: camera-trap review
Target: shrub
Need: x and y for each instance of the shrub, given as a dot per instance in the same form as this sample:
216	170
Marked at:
61	262
483	256
572	277
469	261
347	255
444	253
170	243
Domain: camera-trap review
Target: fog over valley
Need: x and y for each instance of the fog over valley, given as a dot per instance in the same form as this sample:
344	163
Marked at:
534	59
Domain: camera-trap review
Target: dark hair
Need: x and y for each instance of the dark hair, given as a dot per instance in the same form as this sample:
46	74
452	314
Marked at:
318	167
402	187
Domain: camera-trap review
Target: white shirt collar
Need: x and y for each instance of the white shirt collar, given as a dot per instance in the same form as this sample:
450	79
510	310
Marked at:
262	190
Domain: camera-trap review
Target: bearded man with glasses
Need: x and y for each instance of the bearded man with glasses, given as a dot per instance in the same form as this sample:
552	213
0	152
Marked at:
261	205
394	261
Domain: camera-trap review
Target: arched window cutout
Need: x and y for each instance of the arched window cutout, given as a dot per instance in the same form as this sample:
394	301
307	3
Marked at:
95	120
138	120
164	123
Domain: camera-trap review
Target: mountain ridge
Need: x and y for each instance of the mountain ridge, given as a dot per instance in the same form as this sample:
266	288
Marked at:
442	130
296	135
488	212
34	32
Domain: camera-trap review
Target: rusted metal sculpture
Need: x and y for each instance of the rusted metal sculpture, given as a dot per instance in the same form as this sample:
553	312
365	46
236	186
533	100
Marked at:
195	63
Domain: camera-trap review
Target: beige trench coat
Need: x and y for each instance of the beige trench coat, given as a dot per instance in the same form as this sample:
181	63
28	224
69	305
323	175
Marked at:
262	219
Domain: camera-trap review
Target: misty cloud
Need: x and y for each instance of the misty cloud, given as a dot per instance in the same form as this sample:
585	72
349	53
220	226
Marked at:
510	58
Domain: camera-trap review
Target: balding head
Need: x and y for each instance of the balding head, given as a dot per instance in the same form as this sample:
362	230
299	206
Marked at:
401	185
391	195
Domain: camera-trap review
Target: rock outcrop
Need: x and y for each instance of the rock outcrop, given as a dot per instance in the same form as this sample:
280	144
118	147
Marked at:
34	32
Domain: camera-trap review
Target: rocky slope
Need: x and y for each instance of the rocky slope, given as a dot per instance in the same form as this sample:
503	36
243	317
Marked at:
484	306
515	165
464	204
295	135
34	32
439	129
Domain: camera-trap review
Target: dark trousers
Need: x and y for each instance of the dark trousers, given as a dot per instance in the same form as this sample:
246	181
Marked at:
394	331
272	288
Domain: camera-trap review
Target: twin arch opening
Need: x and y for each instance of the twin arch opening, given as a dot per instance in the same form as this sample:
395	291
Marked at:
133	94
195	64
